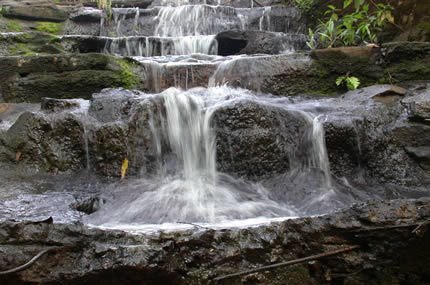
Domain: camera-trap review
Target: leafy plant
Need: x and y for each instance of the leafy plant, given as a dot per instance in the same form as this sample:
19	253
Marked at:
359	26
351	82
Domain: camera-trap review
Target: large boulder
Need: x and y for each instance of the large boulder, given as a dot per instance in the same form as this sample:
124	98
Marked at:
368	132
36	143
254	140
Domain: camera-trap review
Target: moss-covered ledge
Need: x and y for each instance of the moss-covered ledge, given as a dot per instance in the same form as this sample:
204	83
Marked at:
29	78
30	43
391	63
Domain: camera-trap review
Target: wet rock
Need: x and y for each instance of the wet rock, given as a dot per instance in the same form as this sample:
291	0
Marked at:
143	22
254	42
112	105
86	14
36	144
419	106
385	231
368	137
255	140
108	148
84	44
261	72
420	153
58	105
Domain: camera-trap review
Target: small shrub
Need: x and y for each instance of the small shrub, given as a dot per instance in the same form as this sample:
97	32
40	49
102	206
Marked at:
354	28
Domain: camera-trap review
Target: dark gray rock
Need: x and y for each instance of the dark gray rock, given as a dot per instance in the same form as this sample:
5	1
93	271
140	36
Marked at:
367	133
58	105
86	14
112	105
254	42
419	106
38	144
254	140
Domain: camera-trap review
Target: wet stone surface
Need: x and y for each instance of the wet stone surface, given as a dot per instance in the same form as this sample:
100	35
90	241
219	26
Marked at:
383	230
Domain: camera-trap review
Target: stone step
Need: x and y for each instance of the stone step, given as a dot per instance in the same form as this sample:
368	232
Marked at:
225	44
174	3
184	21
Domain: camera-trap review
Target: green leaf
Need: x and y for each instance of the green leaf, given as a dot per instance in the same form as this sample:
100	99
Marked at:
347	3
358	3
352	82
340	80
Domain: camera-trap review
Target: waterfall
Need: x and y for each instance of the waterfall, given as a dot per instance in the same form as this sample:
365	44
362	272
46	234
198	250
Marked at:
156	46
187	186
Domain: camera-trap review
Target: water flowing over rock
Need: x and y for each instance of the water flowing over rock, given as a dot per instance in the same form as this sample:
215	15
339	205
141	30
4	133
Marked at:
177	165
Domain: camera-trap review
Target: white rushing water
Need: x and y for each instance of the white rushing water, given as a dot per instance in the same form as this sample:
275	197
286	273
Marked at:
187	186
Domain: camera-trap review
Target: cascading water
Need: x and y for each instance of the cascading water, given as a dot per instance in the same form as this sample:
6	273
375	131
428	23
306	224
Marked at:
187	186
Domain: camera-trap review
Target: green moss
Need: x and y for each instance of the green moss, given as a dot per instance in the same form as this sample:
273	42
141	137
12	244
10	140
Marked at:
49	27
14	26
128	77
409	70
21	49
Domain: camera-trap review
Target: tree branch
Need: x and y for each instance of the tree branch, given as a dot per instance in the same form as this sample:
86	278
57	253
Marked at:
288	263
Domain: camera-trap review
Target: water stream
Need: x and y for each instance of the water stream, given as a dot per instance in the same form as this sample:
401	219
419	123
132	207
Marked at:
187	186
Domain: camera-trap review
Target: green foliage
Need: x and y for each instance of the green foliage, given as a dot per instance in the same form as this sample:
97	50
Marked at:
14	26
359	26
351	82
48	27
305	5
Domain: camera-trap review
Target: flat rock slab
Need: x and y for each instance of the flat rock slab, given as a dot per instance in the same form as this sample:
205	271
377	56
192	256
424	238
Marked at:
392	236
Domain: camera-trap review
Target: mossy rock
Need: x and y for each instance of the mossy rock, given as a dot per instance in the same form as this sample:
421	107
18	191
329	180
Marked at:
49	27
393	63
28	79
30	44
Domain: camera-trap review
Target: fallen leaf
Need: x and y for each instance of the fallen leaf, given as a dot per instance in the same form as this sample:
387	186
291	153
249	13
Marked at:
124	168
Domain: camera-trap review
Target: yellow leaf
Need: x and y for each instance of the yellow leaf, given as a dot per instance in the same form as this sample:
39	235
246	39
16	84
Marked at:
124	168
390	18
